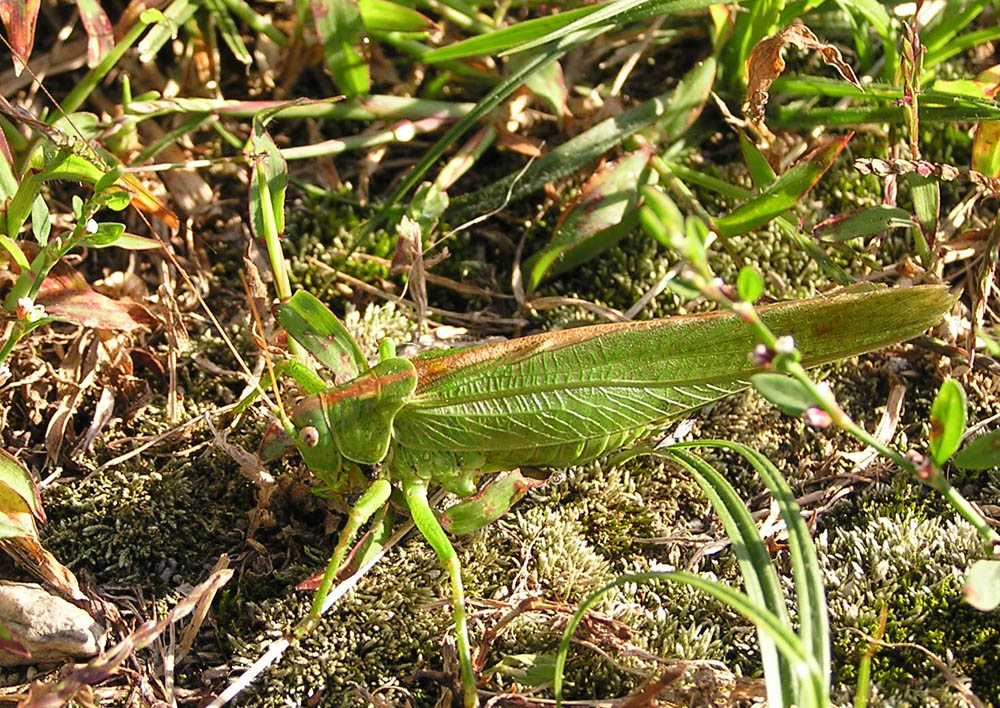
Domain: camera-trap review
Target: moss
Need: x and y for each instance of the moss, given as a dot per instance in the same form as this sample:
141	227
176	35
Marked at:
147	520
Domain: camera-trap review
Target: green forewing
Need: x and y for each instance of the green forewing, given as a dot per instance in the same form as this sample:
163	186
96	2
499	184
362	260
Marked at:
566	397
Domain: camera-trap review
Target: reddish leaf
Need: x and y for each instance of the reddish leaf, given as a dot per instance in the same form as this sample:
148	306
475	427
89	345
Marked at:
19	17
10	644
65	294
100	37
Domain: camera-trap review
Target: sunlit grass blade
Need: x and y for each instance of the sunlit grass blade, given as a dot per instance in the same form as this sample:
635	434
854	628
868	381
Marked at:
784	638
388	16
551	52
782	194
760	579
809	591
618	14
227	28
955	16
503	39
674	110
961	44
761	172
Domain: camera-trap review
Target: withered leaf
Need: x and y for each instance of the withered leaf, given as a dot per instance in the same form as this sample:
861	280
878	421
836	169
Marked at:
766	63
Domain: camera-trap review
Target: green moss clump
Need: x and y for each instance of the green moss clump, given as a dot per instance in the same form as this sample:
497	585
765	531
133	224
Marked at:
147	521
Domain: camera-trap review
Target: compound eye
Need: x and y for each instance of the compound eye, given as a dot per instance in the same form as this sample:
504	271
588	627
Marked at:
309	436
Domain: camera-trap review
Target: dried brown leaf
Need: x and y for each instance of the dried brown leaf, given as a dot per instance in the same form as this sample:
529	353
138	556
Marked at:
766	63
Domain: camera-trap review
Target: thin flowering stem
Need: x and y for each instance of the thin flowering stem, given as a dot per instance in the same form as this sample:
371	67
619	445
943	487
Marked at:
782	356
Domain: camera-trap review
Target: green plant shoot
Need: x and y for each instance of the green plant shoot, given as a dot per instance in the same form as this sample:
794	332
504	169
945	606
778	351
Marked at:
548	400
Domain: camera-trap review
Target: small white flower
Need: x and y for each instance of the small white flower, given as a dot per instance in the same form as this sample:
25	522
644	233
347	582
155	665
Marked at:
91	226
784	345
28	311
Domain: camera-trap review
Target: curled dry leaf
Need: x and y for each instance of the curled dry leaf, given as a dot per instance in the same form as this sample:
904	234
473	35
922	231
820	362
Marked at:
766	63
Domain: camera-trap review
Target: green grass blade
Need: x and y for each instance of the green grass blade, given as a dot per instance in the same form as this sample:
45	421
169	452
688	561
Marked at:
617	14
673	109
551	52
809	591
782	194
227	28
761	171
953	19
786	640
961	44
760	579
508	37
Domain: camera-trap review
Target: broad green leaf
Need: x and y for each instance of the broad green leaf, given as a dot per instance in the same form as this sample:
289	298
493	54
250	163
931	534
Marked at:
784	392
761	172
109	178
784	193
602	216
749	284
15	477
986	148
947	421
385	16
41	220
16	518
547	83
982	585
106	234
339	26
863	222
983	453
310	323
986	139
686	103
